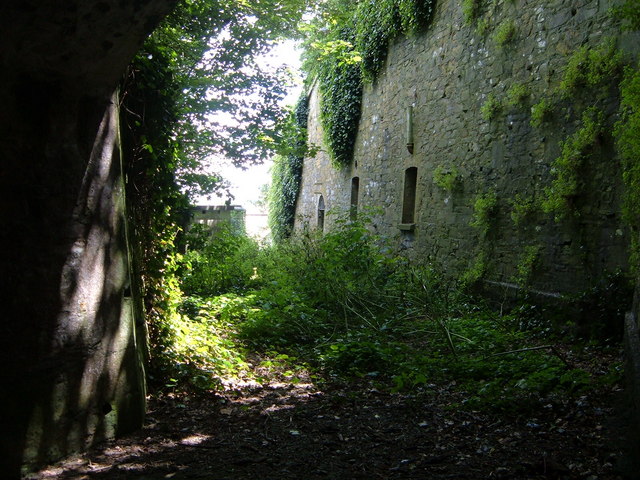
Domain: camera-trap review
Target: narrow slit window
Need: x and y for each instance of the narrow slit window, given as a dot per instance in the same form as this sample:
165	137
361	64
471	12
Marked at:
409	196
355	192
321	213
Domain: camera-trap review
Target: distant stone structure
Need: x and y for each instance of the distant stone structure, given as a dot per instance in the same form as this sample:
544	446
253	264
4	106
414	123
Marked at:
426	186
216	215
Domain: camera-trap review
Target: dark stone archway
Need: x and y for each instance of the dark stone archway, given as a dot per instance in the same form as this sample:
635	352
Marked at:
71	372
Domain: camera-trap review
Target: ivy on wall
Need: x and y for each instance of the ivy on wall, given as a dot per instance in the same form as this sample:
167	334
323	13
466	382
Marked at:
286	176
346	47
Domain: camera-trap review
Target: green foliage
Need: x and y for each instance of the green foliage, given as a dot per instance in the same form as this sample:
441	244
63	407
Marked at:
629	13
566	185
341	90
490	108
541	112
377	22
470	10
446	178
517	95
195	354
415	14
485	207
482	27
505	33
198	65
591	68
521	208
286	175
527	264
627	134
221	266
476	271
343	306
345	46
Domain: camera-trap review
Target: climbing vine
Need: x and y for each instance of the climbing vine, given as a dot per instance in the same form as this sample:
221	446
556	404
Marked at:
346	47
286	176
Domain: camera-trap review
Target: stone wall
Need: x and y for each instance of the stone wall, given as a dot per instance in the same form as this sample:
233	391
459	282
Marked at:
215	216
69	349
446	75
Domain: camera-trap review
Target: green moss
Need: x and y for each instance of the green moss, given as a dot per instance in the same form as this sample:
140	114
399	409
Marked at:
591	68
490	108
446	178
517	95
505	33
541	112
566	184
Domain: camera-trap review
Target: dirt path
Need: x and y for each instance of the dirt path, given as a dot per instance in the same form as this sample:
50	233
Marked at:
297	431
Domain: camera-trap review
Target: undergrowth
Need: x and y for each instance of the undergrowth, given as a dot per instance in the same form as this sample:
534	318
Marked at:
344	306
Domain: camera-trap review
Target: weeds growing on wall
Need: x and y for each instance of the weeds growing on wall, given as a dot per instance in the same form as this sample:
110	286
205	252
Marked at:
505	33
517	95
448	179
490	108
591	68
470	10
560	196
484	211
541	112
627	133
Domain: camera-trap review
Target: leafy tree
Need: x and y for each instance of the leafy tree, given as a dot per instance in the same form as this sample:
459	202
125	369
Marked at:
196	90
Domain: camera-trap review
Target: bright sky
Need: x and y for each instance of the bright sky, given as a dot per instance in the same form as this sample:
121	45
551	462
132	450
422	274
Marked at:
246	184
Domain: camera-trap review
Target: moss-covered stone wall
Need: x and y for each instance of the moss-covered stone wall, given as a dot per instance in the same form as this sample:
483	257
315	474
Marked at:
484	172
